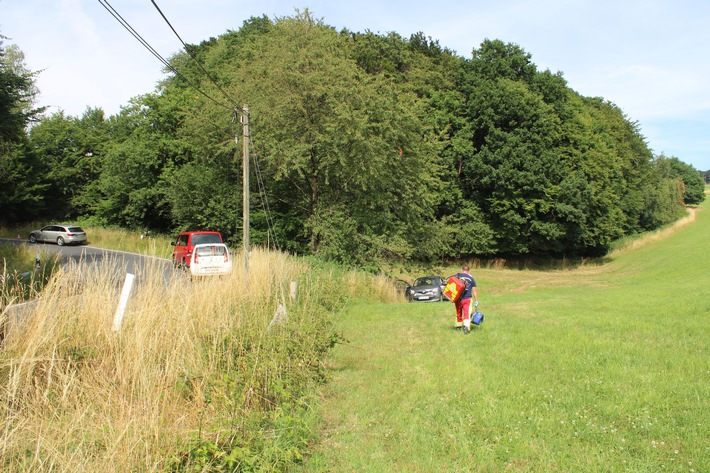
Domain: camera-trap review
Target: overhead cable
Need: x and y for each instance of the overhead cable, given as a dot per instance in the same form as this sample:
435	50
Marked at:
271	227
236	105
155	53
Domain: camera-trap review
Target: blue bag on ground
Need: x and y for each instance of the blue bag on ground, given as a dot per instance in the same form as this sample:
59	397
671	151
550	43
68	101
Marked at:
477	318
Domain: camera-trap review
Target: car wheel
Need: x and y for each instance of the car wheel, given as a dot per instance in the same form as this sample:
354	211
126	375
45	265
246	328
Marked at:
60	241
33	239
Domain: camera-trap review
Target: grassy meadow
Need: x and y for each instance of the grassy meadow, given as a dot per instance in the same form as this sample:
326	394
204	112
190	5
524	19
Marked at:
598	368
131	241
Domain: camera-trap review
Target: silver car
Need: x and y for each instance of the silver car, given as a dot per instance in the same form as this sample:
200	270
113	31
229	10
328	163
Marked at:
59	234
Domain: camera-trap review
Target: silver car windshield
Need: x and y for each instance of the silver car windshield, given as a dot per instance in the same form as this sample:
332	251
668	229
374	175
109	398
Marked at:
425	282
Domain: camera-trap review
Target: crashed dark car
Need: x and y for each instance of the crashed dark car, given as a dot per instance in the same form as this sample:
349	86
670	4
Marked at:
427	289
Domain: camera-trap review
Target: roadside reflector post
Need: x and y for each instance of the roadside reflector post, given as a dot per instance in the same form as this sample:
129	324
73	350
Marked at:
294	285
121	309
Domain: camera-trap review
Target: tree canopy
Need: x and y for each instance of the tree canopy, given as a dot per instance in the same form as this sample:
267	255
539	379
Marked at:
21	192
366	148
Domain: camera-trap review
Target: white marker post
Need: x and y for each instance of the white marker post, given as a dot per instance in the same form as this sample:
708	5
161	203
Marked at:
121	309
292	294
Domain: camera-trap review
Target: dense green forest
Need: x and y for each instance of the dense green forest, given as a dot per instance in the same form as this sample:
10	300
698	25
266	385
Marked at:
365	147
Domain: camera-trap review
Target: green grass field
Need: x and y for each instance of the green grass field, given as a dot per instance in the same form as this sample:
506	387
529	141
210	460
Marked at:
599	368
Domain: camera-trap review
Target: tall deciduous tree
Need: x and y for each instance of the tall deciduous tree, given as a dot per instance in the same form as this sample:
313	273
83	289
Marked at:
553	173
513	172
132	183
20	171
691	178
72	149
345	154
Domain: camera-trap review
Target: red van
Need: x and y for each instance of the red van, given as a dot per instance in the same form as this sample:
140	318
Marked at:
185	244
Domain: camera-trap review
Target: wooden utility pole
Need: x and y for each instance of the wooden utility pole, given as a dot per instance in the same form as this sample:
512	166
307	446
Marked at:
245	185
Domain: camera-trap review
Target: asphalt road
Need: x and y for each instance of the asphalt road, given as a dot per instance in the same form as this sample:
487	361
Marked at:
92	259
122	262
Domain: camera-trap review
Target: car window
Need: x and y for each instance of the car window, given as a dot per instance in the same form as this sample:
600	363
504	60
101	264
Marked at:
205	238
212	250
75	230
182	240
424	282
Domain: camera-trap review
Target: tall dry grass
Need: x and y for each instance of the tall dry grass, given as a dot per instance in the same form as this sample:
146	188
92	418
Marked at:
20	277
192	364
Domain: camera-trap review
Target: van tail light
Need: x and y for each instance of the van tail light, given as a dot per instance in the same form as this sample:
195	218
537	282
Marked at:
226	257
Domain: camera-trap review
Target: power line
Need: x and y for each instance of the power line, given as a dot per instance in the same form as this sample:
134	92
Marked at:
271	228
237	108
236	105
167	64
134	33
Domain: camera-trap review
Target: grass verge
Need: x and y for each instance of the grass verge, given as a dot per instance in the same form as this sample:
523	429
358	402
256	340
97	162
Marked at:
20	277
201	377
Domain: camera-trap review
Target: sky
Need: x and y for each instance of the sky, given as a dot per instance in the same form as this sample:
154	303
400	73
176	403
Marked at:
649	57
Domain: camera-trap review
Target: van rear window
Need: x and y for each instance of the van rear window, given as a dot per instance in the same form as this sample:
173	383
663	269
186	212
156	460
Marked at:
207	238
